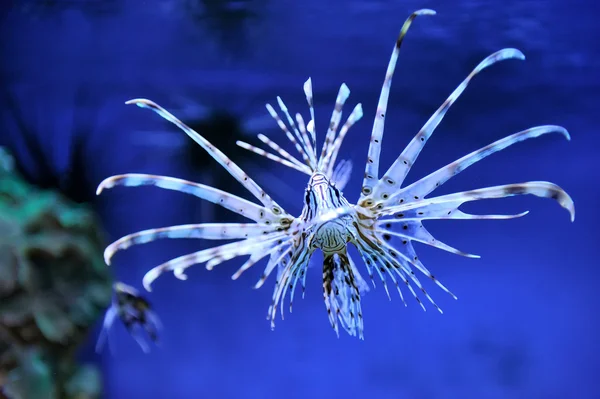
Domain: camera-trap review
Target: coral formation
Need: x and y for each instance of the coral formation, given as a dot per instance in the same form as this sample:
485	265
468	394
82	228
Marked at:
54	285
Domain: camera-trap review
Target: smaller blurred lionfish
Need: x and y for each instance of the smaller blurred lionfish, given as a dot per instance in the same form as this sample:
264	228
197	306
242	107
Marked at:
383	225
135	312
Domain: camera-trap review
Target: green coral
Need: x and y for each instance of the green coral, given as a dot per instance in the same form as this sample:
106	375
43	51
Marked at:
53	286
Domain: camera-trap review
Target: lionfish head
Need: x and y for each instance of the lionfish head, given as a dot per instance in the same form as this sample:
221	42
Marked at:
321	194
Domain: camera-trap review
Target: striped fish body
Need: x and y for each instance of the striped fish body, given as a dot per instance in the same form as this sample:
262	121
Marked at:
383	226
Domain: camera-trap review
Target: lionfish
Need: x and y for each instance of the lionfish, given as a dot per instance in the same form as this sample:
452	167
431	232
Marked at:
135	312
383	224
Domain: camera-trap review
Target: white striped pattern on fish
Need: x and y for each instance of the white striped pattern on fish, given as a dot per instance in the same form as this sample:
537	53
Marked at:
384	223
